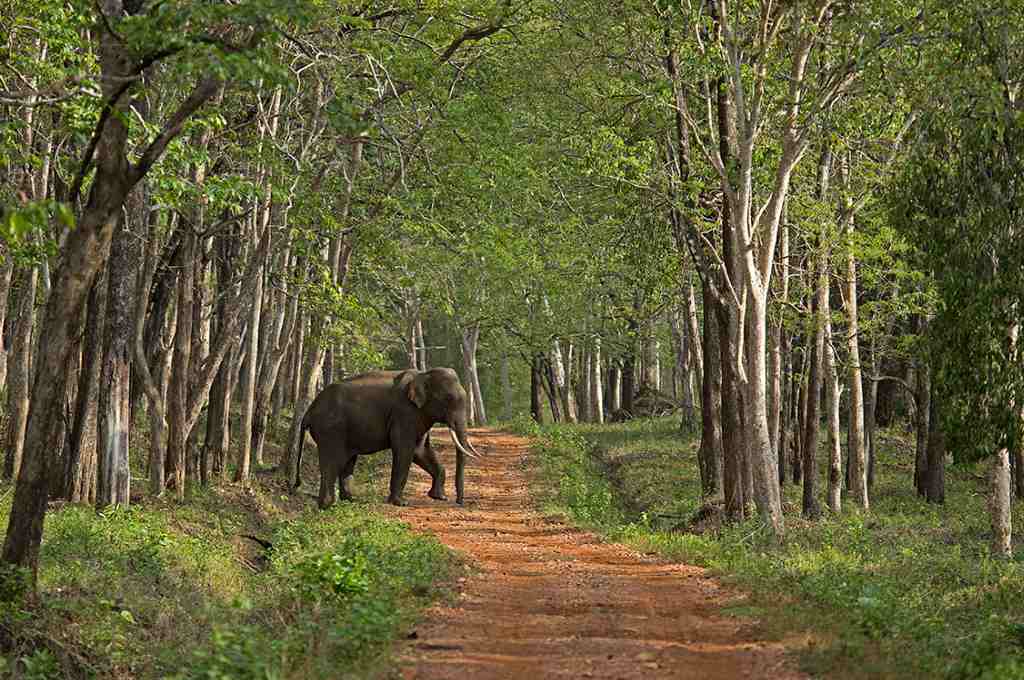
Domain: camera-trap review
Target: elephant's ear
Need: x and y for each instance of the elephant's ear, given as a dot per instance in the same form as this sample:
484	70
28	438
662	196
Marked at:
412	384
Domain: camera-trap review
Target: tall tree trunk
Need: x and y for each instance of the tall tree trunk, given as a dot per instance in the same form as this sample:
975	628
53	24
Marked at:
6	275
799	419
20	373
649	351
470	338
999	505
596	393
421	345
776	356
77	482
536	387
506	387
935	485
562	379
835	455
250	375
614	387
218	417
114	478
870	422
811	507
683	383
181	370
551	389
710	455
858	467
922	427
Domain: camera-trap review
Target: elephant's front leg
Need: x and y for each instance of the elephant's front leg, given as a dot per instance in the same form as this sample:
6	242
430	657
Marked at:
427	459
401	459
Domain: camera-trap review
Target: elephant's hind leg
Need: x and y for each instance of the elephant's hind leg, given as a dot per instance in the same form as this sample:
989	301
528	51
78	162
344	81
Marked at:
343	479
333	459
427	459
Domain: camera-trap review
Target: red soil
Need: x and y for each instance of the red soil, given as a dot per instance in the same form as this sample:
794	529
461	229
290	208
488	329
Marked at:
551	601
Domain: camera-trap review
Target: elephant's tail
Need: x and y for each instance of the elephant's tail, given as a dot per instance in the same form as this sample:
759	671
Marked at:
298	458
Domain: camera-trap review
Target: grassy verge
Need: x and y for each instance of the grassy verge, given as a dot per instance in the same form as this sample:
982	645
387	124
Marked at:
168	590
905	591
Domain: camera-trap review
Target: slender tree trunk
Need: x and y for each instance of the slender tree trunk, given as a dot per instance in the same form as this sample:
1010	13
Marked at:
799	419
684	377
583	408
181	371
552	392
596	392
935	491
249	377
20	374
923	429
469	337
835	461
710	454
6	275
858	468
811	507
777	356
870	423
77	482
562	386
506	387
114	486
999	505
536	387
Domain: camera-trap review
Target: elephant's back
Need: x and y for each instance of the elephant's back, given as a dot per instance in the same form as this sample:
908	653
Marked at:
359	408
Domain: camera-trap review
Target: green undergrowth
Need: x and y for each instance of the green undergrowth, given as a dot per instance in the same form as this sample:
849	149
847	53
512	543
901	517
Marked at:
907	590
183	591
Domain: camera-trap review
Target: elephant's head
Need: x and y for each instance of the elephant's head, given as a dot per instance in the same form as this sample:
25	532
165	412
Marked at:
440	398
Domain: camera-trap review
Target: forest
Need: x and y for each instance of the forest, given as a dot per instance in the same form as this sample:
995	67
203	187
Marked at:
732	291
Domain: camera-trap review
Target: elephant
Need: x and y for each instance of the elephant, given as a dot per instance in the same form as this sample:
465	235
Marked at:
378	410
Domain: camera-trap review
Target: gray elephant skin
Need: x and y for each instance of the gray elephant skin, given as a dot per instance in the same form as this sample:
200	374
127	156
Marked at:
393	410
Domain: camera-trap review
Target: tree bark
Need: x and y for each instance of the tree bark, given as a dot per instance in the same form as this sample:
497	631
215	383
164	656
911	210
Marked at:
114	485
935	485
835	455
776	356
858	468
922	428
20	374
77	481
506	387
561	381
178	394
6	275
999	505
710	455
614	387
596	392
536	387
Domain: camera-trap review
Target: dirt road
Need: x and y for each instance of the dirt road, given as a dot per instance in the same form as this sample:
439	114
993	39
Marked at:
550	601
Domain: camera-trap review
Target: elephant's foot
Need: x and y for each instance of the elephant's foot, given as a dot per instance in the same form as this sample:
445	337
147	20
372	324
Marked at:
346	497
397	500
437	496
460	500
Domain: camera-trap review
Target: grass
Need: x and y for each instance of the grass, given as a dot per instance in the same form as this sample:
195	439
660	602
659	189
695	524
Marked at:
907	590
169	590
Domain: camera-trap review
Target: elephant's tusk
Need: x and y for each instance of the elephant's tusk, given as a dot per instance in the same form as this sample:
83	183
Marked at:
460	447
